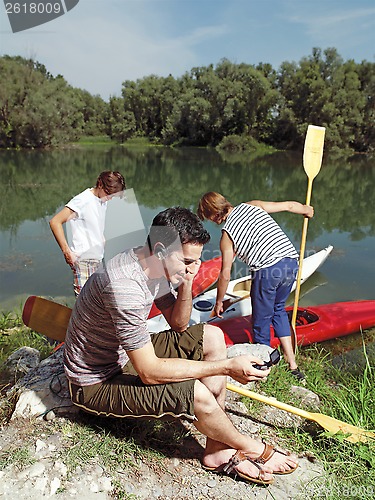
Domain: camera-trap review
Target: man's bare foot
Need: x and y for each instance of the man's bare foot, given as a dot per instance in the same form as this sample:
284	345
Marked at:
271	460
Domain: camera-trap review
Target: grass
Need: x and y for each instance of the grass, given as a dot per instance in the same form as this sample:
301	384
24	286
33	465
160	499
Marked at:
118	446
346	396
346	393
94	140
19	457
13	335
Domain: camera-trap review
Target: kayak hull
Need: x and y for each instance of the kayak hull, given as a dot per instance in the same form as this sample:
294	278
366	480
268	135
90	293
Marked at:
237	289
323	322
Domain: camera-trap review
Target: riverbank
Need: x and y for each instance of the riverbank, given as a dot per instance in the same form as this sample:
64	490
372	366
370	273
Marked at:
76	455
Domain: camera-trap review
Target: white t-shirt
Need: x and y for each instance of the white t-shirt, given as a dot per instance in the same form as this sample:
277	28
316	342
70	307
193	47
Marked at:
86	230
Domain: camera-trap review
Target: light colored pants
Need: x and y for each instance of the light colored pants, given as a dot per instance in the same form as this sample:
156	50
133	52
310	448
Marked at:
82	270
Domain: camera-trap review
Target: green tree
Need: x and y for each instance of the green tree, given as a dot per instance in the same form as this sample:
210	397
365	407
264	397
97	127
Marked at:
366	72
95	113
322	90
36	110
122	124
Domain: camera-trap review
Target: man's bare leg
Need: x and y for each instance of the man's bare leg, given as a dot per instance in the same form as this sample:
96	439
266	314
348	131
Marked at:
286	344
214	349
222	437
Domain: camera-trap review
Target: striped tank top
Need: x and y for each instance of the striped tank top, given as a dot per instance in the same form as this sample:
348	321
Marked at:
257	238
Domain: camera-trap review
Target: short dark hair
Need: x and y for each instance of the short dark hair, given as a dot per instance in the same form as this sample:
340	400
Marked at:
111	181
177	224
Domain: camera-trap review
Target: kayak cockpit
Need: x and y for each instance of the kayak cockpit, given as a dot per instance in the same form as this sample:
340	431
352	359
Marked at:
304	317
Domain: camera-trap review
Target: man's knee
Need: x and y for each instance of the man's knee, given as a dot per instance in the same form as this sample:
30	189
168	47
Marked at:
214	342
204	400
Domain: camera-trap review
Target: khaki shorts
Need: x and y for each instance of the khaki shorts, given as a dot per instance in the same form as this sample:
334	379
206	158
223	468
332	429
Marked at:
125	395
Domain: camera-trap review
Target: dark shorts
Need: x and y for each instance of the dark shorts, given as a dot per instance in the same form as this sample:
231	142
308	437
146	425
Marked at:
125	395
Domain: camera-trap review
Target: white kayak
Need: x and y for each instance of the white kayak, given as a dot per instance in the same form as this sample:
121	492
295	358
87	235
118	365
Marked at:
236	302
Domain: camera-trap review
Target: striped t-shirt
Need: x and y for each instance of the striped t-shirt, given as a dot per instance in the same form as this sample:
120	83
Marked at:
257	239
110	318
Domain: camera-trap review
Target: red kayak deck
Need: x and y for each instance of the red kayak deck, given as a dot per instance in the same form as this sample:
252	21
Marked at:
207	275
314	324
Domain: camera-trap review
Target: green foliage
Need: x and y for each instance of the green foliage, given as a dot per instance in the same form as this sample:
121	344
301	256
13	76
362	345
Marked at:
349	467
13	335
38	110
18	457
324	90
10	341
200	108
95	113
238	143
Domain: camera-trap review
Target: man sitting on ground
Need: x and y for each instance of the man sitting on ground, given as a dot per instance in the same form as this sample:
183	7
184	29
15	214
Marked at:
115	367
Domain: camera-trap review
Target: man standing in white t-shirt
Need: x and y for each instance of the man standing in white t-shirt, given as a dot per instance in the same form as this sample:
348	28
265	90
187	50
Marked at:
85	214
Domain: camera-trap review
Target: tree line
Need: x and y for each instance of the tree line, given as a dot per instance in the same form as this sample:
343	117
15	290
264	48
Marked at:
232	106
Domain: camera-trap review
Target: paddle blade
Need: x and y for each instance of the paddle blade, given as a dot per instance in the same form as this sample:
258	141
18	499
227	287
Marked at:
353	434
46	317
313	151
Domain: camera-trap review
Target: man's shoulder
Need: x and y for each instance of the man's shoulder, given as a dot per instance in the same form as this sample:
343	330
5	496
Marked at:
81	199
125	266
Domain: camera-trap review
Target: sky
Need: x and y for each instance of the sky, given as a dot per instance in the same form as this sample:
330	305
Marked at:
99	44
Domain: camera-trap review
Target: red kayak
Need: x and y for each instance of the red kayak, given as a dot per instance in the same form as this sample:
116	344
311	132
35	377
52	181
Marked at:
207	275
313	324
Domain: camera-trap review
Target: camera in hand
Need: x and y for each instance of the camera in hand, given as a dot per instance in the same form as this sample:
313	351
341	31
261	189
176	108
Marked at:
274	359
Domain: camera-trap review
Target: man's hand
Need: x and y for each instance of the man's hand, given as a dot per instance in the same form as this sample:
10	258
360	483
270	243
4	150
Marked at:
70	257
242	369
218	309
192	269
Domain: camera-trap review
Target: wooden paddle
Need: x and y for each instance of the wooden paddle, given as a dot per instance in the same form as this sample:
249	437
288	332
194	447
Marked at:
312	161
51	319
355	434
46	317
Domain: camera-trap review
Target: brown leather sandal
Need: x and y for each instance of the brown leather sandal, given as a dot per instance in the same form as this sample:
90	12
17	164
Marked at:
268	452
230	469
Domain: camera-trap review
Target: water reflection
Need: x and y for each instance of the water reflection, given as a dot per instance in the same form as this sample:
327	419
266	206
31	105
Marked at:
36	184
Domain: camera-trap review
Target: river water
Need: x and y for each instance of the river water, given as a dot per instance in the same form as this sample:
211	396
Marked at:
35	185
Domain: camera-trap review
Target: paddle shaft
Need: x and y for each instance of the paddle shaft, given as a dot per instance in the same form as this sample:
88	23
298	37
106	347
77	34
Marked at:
312	162
301	257
268	401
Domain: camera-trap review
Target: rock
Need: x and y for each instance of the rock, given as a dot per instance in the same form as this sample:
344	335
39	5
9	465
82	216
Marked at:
55	485
21	362
259	350
279	418
307	398
44	389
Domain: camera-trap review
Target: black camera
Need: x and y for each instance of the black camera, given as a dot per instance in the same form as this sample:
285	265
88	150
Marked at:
274	359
